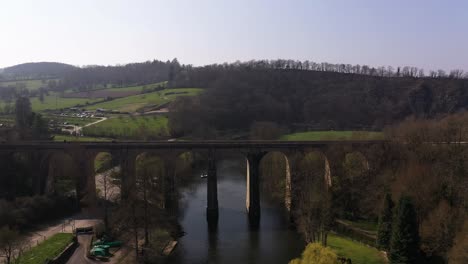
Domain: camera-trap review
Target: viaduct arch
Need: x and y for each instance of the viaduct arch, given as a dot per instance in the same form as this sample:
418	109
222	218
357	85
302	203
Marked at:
126	153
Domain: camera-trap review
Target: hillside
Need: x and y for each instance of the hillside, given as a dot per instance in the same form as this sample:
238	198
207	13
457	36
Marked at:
237	96
35	70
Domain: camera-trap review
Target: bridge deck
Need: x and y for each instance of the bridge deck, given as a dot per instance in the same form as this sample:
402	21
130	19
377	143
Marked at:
205	144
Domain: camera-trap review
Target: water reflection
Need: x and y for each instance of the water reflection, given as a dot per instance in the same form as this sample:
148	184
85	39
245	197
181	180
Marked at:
232	240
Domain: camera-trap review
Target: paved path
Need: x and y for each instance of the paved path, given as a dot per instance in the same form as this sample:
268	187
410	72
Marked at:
79	256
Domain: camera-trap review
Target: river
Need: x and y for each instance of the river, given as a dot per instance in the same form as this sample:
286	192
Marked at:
233	242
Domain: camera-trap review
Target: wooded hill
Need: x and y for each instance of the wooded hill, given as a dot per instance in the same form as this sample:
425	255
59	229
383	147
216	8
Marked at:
239	95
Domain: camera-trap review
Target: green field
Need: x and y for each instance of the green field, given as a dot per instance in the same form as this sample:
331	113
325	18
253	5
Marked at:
357	252
52	102
334	135
130	127
137	88
48	249
71	138
135	102
29	84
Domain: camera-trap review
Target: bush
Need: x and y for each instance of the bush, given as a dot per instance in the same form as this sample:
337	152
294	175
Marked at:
316	254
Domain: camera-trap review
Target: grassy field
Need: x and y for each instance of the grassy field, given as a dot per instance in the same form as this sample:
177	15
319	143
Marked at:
357	252
129	127
135	102
29	84
79	139
334	135
52	102
48	249
137	88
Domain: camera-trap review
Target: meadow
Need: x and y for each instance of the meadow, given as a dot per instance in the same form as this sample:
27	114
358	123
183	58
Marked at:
334	135
135	102
28	84
117	92
130	127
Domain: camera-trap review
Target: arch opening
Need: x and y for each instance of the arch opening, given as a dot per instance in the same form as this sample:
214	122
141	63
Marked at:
63	175
275	178
107	177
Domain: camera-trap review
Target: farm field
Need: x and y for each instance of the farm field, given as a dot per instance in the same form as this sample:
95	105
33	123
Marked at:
29	84
357	252
130	127
114	92
52	102
334	135
133	103
48	249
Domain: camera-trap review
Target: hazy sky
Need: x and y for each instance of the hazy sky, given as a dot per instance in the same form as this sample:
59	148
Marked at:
424	33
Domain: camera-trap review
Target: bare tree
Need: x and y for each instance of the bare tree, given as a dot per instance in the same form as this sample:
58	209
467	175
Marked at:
10	245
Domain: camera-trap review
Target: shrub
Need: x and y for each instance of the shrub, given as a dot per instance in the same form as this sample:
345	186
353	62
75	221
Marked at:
316	254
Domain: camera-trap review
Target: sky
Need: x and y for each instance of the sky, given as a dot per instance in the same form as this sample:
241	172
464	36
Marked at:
423	33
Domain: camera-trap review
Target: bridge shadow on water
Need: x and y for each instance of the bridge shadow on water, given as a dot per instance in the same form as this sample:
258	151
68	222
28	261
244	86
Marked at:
232	240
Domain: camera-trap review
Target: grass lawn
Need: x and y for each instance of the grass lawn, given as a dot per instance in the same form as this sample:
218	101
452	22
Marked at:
334	135
48	249
357	252
130	127
79	139
29	84
135	102
52	102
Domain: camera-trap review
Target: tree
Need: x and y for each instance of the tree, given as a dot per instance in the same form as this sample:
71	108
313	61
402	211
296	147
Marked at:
384	232
41	95
316	254
23	113
404	244
39	127
10	246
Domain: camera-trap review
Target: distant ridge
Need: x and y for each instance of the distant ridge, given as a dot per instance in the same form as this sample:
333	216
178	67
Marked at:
37	70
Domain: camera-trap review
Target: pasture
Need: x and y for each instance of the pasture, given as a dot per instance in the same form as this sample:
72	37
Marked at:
28	84
130	127
333	135
54	101
133	103
117	92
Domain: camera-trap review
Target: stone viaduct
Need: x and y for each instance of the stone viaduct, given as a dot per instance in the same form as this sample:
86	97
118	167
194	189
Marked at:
84	154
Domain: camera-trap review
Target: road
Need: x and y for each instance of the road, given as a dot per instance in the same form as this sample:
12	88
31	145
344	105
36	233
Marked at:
79	256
